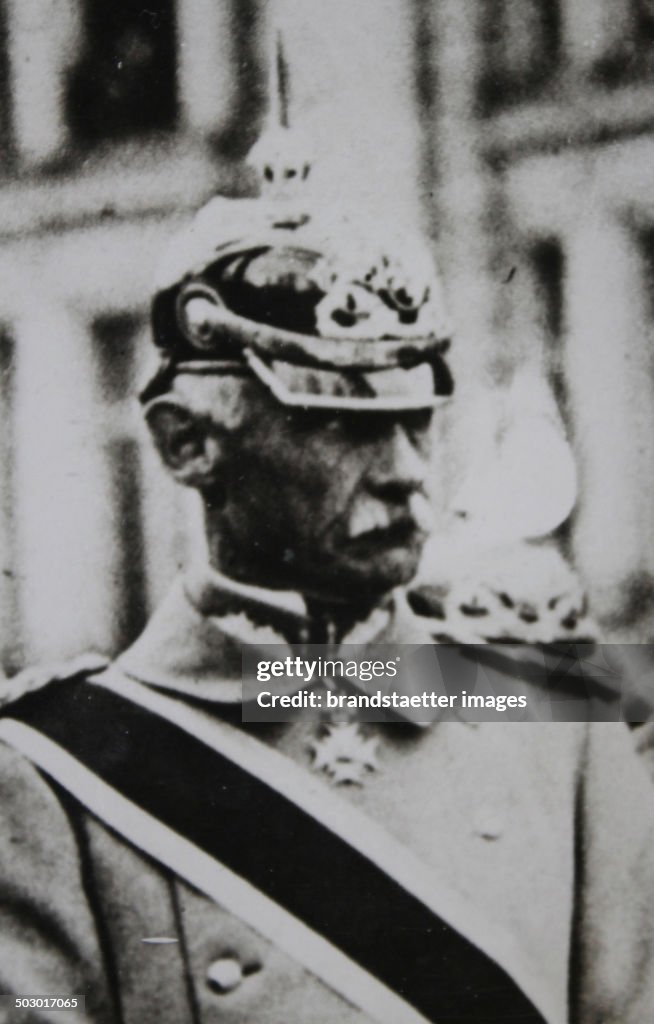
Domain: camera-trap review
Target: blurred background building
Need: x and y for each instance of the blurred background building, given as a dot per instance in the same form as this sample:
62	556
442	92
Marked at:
519	133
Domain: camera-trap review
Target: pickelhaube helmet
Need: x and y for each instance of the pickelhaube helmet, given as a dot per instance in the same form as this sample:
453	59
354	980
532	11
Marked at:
324	308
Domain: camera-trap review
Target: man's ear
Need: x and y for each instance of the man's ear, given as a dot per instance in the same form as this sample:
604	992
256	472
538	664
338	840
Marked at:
189	444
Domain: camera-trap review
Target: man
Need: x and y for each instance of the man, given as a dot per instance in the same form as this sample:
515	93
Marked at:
171	863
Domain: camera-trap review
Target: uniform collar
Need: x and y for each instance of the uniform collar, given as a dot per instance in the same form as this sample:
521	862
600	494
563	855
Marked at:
245	610
193	643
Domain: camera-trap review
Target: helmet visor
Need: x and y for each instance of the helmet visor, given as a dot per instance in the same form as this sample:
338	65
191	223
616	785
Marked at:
391	389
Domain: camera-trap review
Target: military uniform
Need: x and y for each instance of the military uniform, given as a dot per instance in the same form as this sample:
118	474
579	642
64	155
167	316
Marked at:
530	841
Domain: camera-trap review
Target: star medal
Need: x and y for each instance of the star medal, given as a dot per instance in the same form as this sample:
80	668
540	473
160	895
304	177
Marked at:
345	754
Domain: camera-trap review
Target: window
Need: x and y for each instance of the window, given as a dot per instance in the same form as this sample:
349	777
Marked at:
124	82
522	42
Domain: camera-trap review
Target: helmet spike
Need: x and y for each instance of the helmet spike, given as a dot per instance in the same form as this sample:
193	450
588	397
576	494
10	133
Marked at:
280	93
280	156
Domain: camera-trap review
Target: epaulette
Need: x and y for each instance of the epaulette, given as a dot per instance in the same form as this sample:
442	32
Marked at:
520	593
35	677
483	614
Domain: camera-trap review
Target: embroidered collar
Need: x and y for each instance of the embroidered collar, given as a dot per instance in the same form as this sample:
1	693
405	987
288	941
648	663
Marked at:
194	641
253	614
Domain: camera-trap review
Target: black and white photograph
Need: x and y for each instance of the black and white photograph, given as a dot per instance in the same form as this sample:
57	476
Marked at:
327	512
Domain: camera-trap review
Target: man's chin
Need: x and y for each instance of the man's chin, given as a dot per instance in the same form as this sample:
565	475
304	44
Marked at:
378	575
396	572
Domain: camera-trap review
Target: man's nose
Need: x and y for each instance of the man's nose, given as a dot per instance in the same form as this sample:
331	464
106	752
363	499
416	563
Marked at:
398	468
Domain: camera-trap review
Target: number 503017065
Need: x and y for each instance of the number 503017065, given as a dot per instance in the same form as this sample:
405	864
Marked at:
43	1002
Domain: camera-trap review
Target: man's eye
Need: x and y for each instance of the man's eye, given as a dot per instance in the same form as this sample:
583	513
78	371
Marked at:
418	423
362	428
304	421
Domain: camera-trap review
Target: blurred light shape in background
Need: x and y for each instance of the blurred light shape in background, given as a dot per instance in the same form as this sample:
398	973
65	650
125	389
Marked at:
520	481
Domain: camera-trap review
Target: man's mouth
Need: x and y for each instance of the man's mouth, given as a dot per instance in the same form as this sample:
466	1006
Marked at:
402	533
374	522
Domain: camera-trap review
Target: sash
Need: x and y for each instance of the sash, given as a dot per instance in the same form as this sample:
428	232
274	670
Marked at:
213	820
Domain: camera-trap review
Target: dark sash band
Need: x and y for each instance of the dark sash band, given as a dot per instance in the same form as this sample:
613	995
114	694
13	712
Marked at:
281	850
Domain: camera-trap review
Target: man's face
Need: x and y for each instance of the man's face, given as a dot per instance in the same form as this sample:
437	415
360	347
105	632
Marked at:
330	503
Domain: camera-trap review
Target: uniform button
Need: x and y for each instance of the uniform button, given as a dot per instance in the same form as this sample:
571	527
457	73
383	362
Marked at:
224	975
